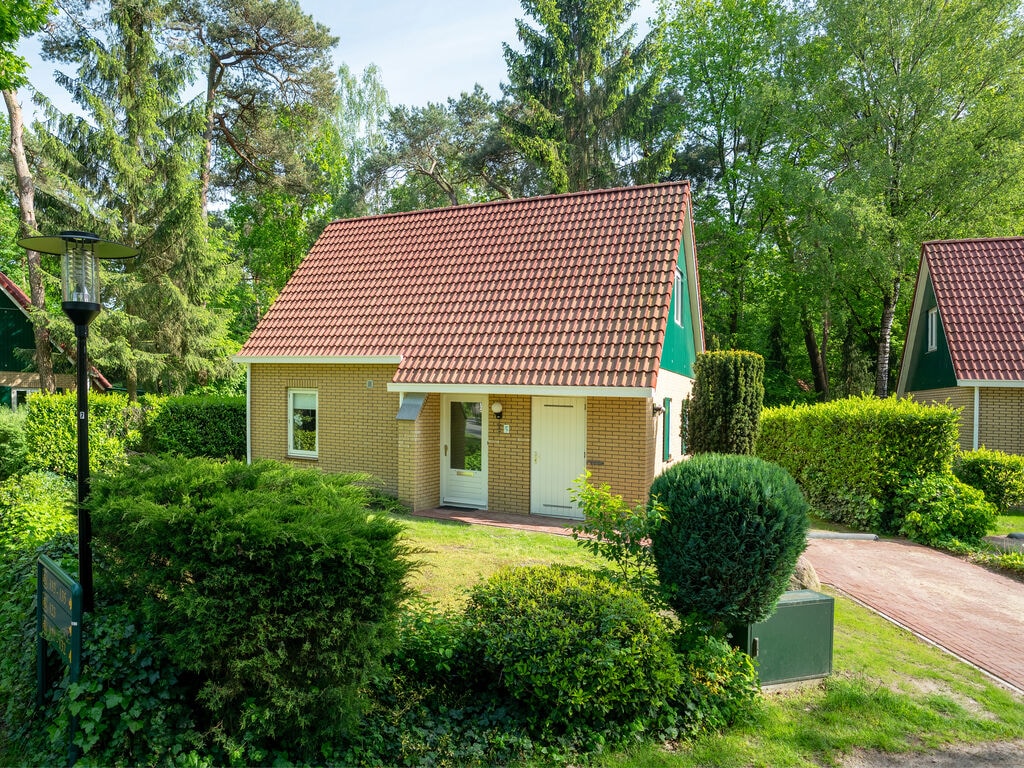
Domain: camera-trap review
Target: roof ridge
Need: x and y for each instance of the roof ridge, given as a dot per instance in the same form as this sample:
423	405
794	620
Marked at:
14	291
1005	238
511	201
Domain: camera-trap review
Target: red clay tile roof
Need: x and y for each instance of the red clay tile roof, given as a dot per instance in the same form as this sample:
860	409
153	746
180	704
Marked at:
568	290
979	287
13	290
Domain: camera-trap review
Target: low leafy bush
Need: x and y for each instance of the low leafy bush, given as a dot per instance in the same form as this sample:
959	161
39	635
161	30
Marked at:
273	589
34	508
851	457
51	435
940	507
581	654
719	687
1000	476
617	533
213	426
734	527
12	442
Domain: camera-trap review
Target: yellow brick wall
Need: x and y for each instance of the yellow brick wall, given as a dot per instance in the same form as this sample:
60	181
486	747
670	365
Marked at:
356	424
620	445
1001	426
508	456
419	460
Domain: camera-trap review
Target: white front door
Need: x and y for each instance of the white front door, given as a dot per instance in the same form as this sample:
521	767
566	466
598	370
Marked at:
464	451
558	454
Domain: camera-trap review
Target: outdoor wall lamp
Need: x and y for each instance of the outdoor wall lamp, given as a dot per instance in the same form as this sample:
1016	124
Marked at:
657	410
80	300
497	409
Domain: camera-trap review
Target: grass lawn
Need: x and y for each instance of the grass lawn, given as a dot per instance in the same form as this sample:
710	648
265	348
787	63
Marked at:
889	690
1009	524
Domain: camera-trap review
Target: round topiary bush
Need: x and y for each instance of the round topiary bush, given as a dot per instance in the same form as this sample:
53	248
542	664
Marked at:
579	652
734	527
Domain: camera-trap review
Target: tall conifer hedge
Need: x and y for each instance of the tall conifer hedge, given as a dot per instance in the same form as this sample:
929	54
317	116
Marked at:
724	410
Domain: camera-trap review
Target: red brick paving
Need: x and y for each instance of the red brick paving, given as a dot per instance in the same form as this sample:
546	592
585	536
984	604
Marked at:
963	608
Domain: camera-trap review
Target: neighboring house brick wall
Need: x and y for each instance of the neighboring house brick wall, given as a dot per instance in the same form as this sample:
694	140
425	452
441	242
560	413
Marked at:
508	456
955	397
356	425
1001	426
620	445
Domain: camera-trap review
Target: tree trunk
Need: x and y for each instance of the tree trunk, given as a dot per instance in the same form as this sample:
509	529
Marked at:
206	171
27	206
885	339
817	355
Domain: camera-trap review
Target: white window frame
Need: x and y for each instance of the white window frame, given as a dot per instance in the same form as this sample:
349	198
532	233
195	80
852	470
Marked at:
677	286
292	451
14	395
933	329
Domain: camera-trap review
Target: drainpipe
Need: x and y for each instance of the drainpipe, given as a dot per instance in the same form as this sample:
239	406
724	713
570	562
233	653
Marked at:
977	414
248	413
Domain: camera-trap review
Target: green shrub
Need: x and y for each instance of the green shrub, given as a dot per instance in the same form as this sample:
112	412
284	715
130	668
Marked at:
34	508
213	426
940	507
132	709
581	654
272	587
851	457
51	434
1000	476
724	411
734	527
720	686
620	535
12	442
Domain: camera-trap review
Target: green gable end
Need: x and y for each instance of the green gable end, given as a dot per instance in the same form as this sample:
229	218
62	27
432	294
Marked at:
16	340
929	369
679	352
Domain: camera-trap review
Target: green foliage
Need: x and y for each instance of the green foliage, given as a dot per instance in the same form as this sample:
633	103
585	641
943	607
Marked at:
621	535
581	654
12	442
132	709
941	507
725	409
720	686
34	508
851	457
18	18
272	587
193	426
733	530
1000	476
51	432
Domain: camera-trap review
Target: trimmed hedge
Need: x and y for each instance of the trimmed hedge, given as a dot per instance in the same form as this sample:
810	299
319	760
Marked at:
1000	476
724	410
851	457
213	426
734	527
51	432
272	588
12	442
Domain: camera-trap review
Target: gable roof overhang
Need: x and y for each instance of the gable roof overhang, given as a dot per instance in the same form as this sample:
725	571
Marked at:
979	291
21	300
541	294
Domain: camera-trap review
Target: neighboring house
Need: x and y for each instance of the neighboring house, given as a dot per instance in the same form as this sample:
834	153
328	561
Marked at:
487	355
18	376
965	340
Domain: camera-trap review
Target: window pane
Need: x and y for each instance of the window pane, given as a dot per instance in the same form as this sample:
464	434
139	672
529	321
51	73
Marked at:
466	432
303	422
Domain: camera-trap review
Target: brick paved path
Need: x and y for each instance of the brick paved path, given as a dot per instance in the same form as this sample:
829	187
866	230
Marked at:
974	613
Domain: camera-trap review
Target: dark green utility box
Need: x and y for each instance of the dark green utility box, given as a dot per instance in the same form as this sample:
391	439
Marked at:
795	642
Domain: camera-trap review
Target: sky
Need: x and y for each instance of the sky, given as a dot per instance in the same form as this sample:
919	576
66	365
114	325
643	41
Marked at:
427	50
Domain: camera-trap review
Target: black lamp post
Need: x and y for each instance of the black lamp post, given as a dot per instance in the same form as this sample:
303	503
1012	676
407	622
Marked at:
80	289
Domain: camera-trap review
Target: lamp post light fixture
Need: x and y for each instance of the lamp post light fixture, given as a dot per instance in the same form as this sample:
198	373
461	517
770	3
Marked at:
80	300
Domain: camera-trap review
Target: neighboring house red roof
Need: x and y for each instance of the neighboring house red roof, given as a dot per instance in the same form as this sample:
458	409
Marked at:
567	290
979	289
19	297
